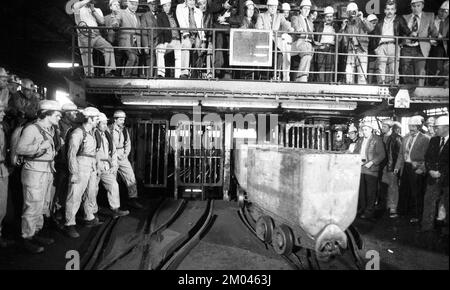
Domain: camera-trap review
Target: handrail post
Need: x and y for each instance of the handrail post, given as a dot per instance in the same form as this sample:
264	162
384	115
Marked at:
397	62
213	61
89	52
336	55
151	51
275	55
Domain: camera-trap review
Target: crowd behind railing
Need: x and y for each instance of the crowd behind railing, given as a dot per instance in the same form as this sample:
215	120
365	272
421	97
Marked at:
395	49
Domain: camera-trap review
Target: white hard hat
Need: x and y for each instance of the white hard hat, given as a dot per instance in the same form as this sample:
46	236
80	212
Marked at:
47	105
305	3
415	120
431	121
372	17
445	5
286	7
102	117
69	107
151	1
165	2
366	124
272	2
388	122
248	3
120	114
352	128
416	1
328	10
442	121
91	112
352	6
3	72
111	2
27	84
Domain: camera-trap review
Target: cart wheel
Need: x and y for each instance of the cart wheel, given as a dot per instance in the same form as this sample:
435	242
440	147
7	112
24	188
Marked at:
264	228
283	240
241	198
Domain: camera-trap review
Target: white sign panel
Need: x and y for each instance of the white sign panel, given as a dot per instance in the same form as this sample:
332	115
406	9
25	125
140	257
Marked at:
250	47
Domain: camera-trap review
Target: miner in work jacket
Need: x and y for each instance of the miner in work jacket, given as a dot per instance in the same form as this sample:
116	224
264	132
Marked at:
107	165
82	161
122	141
37	146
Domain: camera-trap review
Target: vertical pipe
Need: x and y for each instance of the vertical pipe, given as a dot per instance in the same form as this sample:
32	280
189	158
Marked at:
307	137
151	51
336	55
213	53
158	154
89	52
275	55
177	166
145	153
151	151
397	62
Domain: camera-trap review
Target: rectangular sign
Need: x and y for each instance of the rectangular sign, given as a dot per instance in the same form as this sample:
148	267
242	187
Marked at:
250	47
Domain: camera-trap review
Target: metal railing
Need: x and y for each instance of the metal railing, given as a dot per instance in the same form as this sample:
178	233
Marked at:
269	73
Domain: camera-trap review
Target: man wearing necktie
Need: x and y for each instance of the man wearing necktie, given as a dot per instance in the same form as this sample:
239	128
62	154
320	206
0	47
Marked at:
371	149
129	40
411	165
436	161
304	42
436	67
422	25
189	16
148	20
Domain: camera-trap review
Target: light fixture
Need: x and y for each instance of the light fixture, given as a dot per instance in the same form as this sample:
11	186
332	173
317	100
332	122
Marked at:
338	106
241	104
62	64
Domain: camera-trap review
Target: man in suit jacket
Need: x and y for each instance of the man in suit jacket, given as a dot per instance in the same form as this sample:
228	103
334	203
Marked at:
326	43
411	164
303	42
422	25
371	149
148	20
129	38
438	48
168	39
436	161
389	25
190	16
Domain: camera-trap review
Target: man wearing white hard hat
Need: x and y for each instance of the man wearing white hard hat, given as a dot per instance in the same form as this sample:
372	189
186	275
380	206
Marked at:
325	42
356	46
385	48
436	160
86	14
82	161
393	142
436	67
122	142
353	137
37	146
271	20
4	178
67	124
372	152
421	24
107	166
411	166
303	41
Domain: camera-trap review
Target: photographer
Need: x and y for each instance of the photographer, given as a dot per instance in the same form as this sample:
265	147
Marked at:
356	46
87	15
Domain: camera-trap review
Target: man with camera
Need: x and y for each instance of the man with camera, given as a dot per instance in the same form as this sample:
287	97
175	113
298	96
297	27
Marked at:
357	46
87	15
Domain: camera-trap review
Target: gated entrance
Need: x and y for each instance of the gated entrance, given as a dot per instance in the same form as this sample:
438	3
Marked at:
198	158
